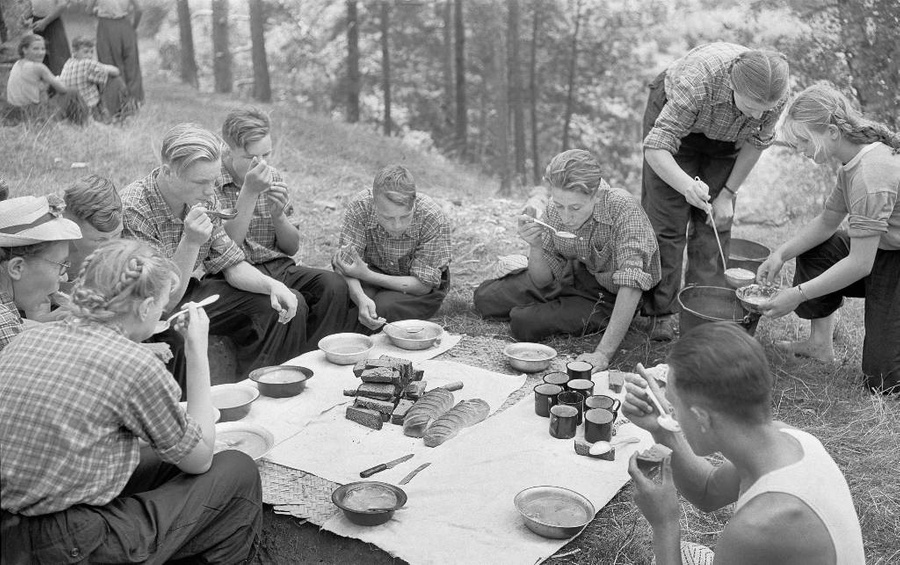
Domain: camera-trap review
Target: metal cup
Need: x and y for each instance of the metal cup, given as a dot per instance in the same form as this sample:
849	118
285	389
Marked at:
603	401
598	424
574	399
556	378
584	386
545	398
579	370
563	421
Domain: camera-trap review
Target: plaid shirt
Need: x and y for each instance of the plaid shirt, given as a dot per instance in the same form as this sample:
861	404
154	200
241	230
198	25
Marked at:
10	320
148	218
259	244
423	250
617	244
700	100
85	75
74	399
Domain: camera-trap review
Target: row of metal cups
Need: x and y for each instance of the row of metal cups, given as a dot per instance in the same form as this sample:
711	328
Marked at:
570	401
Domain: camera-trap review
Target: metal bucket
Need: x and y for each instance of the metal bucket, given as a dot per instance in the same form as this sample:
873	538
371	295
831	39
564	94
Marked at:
746	254
703	304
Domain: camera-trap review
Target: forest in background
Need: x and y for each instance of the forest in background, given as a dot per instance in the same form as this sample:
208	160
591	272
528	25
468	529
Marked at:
505	84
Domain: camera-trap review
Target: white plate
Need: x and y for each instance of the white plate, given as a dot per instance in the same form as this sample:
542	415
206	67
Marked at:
252	439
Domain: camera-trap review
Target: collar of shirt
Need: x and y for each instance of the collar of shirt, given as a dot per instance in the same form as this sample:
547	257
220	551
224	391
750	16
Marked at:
409	232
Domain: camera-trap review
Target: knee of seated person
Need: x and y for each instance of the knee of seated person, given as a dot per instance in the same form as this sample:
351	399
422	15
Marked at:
483	300
523	326
240	468
334	285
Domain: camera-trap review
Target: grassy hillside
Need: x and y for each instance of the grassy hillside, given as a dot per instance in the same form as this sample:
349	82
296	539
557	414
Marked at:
325	162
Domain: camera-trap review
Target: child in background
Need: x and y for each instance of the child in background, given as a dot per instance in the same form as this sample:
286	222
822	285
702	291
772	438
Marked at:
30	79
90	79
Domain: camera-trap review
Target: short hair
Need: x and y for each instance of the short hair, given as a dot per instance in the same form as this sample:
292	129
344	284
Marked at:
82	41
761	75
395	183
243	126
95	200
185	144
575	169
26	40
726	368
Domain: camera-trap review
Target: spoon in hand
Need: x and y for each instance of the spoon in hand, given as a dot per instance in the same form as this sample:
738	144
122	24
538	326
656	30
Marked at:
163	325
563	234
665	420
223	214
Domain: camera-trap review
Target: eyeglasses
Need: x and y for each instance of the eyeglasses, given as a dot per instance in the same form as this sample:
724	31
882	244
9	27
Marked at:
63	267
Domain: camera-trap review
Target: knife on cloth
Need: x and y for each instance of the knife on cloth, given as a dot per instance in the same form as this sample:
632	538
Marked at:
379	468
413	473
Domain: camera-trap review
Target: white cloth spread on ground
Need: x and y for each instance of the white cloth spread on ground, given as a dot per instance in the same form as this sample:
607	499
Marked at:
460	509
337	449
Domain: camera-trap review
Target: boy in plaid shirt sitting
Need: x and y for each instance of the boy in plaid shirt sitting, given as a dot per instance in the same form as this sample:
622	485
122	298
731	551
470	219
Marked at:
91	79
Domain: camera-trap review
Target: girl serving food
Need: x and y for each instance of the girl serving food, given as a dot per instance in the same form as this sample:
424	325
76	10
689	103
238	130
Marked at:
86	387
863	261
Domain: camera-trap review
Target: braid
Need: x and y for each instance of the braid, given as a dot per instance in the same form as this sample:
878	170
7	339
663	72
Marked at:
130	275
87	303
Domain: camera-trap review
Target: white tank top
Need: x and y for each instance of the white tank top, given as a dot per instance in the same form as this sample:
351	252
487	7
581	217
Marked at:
818	482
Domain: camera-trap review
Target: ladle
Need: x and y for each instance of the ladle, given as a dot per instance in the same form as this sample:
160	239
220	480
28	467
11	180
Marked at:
562	234
709	211
601	447
163	325
665	420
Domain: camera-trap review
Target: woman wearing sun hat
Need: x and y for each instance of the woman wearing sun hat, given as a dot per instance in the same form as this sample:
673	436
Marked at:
34	245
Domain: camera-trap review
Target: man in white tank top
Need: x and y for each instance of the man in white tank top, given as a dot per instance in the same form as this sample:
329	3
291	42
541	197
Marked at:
793	503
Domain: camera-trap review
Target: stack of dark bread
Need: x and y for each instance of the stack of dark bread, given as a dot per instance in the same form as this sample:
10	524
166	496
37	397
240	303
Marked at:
389	388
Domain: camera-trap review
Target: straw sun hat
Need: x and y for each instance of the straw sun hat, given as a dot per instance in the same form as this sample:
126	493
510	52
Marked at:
34	219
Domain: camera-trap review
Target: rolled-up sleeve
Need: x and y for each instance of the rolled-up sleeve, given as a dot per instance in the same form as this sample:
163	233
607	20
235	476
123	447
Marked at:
223	252
870	214
432	253
636	251
677	116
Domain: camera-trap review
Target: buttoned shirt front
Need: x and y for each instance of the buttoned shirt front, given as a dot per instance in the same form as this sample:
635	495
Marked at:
10	321
700	99
422	250
74	399
148	218
260	244
616	244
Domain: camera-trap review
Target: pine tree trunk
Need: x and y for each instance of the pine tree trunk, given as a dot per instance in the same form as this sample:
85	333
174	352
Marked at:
353	78
501	100
262	87
186	34
462	121
573	65
221	47
515	91
386	64
447	65
533	93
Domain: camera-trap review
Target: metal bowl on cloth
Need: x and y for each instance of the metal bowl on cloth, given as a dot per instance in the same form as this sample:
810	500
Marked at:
414	334
529	357
554	512
368	503
252	439
346	348
281	381
233	400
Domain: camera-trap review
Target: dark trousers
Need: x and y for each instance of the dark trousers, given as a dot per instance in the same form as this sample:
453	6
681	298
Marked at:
676	222
162	515
394	306
881	289
249	320
117	45
579	308
57	44
326	294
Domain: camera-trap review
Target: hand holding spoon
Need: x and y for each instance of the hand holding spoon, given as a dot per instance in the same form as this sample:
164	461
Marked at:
562	234
223	213
163	325
665	420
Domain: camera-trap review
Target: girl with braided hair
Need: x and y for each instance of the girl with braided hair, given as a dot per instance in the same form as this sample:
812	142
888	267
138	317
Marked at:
862	261
89	391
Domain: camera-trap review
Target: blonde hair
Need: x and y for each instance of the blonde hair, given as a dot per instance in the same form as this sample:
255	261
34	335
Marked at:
395	183
117	277
244	126
820	106
575	169
185	144
763	76
94	199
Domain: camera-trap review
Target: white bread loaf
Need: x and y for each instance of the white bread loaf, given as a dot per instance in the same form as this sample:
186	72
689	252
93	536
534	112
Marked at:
426	410
466	413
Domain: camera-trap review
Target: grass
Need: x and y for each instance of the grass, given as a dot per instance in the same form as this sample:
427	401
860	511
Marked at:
326	162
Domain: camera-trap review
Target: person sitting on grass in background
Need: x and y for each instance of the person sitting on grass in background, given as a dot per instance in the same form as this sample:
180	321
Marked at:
262	227
584	283
793	504
34	245
167	209
30	79
862	261
93	81
88	491
394	251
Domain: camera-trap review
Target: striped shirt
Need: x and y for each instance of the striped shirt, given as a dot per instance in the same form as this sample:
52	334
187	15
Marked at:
616	244
700	100
422	250
10	321
259	244
148	218
84	75
74	399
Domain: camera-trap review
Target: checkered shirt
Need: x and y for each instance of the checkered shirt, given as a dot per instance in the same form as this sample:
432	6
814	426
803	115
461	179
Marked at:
85	75
616	244
700	100
422	250
74	399
259	244
10	320
148	218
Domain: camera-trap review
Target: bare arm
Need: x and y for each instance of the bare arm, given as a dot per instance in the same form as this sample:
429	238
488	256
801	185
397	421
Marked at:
623	313
197	229
243	276
199	399
356	268
52	80
812	234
